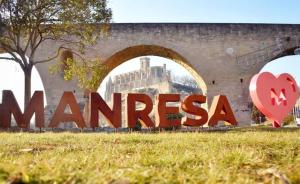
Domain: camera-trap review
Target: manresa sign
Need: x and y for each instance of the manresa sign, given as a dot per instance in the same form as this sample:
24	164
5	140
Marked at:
220	110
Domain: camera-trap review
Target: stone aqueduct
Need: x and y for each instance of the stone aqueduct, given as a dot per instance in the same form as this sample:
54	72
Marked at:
222	57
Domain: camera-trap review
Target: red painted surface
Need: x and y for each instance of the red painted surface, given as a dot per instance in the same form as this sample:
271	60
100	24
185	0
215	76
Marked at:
274	96
68	99
188	106
220	110
97	104
11	107
163	110
133	115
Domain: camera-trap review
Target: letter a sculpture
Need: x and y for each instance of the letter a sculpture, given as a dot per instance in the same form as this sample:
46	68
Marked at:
274	96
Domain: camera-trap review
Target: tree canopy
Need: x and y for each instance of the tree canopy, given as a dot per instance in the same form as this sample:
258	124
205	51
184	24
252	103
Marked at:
26	24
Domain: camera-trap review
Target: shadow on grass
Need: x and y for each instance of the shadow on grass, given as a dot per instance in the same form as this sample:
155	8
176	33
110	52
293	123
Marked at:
265	129
222	129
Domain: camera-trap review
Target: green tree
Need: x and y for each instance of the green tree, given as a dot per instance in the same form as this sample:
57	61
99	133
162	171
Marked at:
87	72
138	126
26	24
174	117
257	116
288	120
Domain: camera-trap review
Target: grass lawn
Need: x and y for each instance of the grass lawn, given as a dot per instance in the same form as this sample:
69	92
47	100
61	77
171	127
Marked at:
237	156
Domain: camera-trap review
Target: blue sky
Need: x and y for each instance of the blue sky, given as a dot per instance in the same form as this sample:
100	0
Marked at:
232	11
208	11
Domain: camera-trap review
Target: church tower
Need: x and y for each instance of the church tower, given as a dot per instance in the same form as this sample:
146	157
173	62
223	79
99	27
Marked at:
145	64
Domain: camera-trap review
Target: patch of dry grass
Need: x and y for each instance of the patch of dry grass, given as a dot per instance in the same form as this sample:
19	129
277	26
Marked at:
239	156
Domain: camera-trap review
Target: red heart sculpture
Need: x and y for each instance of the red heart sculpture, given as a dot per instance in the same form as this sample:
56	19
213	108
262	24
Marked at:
274	96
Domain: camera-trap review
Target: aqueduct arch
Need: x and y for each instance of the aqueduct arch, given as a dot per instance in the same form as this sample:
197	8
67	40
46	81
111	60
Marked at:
289	51
143	50
225	55
285	46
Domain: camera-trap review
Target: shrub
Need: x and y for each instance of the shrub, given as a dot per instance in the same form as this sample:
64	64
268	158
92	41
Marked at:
288	120
257	116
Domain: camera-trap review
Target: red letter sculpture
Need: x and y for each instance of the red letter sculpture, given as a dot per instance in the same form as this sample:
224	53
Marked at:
274	96
163	110
98	104
68	99
10	106
189	107
134	115
220	110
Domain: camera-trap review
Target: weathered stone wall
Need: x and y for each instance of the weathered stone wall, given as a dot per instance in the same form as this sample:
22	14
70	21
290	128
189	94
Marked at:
224	56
